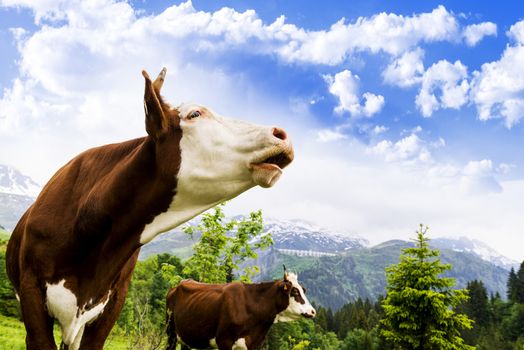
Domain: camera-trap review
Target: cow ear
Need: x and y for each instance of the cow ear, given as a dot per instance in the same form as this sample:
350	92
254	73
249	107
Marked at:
286	287
154	107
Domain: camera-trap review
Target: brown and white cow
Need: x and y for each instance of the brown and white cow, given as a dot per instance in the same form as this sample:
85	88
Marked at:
71	255
232	316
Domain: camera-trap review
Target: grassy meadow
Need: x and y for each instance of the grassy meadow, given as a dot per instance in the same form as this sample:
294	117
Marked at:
12	336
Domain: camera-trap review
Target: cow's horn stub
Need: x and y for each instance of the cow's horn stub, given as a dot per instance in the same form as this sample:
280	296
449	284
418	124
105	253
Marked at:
159	81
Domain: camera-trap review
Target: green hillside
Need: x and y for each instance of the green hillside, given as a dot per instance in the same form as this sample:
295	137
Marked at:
334	281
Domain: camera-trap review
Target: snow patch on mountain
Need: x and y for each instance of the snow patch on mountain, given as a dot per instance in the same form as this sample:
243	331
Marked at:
473	246
13	181
302	235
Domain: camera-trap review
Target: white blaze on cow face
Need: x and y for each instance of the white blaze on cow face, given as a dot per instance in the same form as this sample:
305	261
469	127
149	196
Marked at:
220	158
229	152
299	305
62	304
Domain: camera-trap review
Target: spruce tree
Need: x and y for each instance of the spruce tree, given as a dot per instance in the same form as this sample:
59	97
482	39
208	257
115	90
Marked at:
419	306
519	292
477	307
512	285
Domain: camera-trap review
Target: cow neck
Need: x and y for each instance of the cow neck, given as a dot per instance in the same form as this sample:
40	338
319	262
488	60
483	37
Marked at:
128	197
278	301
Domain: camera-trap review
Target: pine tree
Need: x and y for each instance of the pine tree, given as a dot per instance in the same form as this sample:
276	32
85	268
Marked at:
512	285
478	304
478	309
519	290
418	308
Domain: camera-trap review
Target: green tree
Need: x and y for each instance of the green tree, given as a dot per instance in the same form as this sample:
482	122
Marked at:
418	308
360	339
478	309
224	245
519	290
143	315
477	304
512	285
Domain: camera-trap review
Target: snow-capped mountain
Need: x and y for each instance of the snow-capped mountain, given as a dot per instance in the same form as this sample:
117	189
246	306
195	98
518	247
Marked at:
13	181
300	235
17	193
473	246
293	237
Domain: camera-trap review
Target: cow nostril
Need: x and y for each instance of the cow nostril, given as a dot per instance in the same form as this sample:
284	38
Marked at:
279	134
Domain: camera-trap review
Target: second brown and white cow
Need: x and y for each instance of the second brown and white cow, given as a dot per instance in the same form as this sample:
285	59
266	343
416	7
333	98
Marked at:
232	316
71	255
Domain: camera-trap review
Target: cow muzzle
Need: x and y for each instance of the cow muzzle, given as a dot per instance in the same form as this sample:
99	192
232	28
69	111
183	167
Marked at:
310	314
267	170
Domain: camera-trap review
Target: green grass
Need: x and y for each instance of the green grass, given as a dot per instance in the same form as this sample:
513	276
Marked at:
4	235
12	336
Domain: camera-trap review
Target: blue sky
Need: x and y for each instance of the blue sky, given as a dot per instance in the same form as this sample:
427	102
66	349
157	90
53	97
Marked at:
401	112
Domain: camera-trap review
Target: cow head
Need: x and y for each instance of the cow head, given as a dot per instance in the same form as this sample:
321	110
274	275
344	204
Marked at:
219	157
299	305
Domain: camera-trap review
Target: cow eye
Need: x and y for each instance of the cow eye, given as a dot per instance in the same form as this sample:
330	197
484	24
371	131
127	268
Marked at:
194	114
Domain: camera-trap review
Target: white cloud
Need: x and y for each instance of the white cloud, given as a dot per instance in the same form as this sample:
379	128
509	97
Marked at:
478	167
328	135
478	178
379	129
505	168
498	87
413	154
345	86
389	33
384	32
451	80
476	32
516	32
372	104
42	9
409	149
405	70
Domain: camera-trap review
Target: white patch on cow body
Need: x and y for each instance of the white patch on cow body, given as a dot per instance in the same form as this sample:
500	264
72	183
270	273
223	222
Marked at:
240	344
216	154
62	305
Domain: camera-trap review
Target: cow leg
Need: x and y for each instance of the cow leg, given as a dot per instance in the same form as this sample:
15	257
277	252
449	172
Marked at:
171	333
96	333
38	323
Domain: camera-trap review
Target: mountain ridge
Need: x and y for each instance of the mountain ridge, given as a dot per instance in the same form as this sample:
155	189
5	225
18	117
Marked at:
12	181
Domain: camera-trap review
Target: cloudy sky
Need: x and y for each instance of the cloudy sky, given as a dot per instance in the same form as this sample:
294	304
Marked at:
401	112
